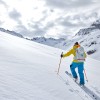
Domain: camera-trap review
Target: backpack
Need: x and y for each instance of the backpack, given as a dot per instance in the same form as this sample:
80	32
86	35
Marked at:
80	54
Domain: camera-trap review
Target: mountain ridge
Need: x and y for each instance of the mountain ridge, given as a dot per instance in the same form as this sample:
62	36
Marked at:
11	32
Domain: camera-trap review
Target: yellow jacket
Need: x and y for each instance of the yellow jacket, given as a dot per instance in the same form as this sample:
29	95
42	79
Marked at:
72	51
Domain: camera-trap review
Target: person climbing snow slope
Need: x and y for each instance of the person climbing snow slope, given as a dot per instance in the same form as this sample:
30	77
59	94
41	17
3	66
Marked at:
78	61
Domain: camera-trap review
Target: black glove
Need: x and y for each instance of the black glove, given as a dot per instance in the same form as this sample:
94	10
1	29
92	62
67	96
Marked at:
61	55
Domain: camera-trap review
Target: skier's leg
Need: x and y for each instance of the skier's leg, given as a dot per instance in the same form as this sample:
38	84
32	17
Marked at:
72	68
81	74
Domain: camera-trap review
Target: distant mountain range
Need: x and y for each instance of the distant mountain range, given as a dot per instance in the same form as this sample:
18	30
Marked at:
48	41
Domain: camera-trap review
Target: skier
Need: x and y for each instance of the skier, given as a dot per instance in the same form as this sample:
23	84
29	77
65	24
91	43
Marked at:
78	61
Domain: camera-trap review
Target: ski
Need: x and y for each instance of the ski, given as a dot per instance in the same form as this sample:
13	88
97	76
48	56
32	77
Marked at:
86	89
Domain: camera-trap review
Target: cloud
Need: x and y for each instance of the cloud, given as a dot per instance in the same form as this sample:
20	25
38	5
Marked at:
15	15
1	22
69	3
78	20
22	30
3	3
63	24
40	27
37	28
51	17
31	31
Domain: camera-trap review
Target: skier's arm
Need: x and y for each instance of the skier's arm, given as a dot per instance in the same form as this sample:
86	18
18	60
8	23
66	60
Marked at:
68	53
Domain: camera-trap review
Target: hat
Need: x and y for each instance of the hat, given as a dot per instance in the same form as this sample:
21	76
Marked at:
76	43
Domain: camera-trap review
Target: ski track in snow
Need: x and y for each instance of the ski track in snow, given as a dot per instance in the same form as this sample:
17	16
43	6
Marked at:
84	96
86	89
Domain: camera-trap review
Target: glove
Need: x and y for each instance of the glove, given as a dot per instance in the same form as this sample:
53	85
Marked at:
61	55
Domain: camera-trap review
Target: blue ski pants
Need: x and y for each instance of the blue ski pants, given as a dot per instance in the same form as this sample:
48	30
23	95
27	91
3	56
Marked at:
80	67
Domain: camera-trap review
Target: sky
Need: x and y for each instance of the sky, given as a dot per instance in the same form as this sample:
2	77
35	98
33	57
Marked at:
49	18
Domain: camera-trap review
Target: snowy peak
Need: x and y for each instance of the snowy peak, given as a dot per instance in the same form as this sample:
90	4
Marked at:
96	24
93	27
97	21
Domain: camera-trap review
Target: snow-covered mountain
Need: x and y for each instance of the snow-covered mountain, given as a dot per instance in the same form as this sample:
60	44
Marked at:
48	41
27	72
11	32
93	27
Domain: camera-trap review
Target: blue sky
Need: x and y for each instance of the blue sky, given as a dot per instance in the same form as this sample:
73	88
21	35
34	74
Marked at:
49	18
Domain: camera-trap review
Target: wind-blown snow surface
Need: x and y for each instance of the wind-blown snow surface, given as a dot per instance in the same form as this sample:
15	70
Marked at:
27	72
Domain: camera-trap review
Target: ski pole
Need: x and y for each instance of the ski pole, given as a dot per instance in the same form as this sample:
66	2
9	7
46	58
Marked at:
59	64
85	75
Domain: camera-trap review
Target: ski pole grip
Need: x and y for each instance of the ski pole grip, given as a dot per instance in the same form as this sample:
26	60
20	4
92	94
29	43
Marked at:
62	53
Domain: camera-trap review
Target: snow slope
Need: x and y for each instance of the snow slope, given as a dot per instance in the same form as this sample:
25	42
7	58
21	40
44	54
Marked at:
27	72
